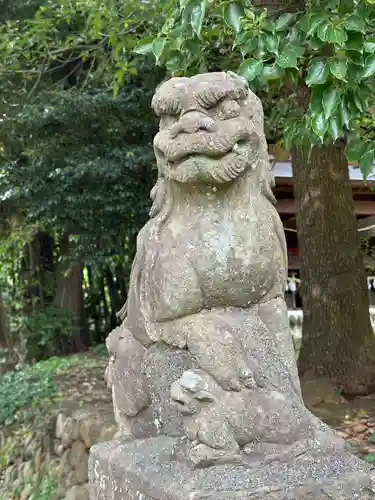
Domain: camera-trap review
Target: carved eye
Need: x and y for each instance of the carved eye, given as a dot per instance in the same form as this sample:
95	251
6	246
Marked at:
228	109
167	121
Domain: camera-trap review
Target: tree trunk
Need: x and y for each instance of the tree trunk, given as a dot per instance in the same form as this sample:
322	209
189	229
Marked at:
338	342
120	277
113	296
106	314
4	325
69	292
94	310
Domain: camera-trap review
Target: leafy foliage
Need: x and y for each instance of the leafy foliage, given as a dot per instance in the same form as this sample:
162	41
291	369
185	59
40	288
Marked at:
87	173
319	59
322	58
28	387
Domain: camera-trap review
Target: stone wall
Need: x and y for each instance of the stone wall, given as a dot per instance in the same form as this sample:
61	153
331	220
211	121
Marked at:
54	454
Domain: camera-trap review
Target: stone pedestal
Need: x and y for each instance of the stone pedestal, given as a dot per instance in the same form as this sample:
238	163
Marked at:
156	469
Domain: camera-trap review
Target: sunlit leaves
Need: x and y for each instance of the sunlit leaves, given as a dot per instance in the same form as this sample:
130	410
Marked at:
369	45
250	69
319	125
158	47
363	153
284	21
233	11
330	101
335	34
287	58
318	72
197	14
338	67
145	46
369	66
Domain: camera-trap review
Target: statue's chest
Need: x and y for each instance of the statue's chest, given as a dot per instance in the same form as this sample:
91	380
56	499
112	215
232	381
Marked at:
236	256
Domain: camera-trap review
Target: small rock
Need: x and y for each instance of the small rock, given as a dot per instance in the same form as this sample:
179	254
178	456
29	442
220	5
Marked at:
38	459
64	466
28	470
82	470
58	449
71	479
60	425
108	433
26	492
90	432
70	432
358	428
342	434
77	454
78	493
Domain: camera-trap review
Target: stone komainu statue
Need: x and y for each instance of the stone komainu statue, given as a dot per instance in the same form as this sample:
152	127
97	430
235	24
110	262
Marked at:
203	363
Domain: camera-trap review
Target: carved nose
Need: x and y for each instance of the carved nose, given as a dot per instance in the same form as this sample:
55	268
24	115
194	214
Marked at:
192	122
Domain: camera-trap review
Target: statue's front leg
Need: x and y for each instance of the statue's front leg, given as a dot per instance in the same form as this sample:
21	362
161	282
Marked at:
125	378
274	314
214	345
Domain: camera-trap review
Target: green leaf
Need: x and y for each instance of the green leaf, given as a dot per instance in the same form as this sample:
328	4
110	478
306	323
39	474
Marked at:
283	21
354	150
260	50
355	23
271	72
249	46
322	31
144	46
371	439
355	41
250	69
366	163
158	47
331	98
287	58
369	45
319	125
344	113
369	66
335	34
197	16
334	127
317	73
232	14
359	102
314	22
370	458
356	57
338	67
316	106
271	42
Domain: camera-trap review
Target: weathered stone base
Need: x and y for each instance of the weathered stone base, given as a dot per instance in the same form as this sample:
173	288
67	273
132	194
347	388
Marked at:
155	469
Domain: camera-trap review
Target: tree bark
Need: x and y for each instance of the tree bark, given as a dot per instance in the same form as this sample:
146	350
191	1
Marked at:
113	296
94	310
69	292
4	325
338	341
